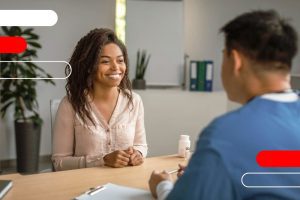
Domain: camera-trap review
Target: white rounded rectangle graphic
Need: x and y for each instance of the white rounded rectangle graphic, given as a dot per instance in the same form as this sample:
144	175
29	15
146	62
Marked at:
28	18
55	68
271	180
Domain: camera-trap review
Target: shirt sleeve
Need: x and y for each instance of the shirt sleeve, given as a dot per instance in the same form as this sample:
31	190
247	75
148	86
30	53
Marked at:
140	142
206	177
63	142
163	189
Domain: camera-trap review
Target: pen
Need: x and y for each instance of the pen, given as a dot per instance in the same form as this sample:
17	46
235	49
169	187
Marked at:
96	190
173	171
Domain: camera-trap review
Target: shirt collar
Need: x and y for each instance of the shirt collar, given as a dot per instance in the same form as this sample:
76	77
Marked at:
288	96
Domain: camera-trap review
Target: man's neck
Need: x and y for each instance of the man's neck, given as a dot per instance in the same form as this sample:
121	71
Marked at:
273	83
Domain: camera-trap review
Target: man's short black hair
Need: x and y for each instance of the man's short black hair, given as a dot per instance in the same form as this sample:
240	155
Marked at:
263	36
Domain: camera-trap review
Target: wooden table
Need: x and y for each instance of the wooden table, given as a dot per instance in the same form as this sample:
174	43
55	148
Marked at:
71	183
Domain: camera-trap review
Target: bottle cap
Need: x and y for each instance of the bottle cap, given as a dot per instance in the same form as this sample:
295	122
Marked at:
184	137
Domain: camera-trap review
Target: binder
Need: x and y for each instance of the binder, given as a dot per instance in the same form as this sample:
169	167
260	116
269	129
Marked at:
193	76
201	71
209	76
5	186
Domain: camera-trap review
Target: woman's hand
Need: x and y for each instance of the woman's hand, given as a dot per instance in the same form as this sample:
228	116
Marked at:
136	157
117	158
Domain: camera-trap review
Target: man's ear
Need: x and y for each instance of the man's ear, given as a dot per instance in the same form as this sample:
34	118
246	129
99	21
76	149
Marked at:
237	61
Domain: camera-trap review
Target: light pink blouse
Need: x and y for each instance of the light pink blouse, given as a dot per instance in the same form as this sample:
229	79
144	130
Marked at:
76	145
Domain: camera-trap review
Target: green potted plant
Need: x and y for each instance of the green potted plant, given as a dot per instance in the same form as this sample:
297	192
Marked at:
22	94
142	62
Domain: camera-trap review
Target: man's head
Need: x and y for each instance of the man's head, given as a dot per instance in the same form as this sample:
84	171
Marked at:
258	45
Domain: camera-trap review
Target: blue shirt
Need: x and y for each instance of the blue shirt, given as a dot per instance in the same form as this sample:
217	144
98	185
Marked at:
227	149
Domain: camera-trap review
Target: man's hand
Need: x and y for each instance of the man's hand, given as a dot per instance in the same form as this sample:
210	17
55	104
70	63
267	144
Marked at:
117	159
136	157
181	170
155	179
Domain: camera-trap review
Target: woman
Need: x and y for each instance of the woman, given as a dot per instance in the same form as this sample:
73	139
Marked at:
100	121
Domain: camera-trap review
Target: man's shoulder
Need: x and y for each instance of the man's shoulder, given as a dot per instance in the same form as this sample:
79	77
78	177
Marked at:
228	127
228	118
243	114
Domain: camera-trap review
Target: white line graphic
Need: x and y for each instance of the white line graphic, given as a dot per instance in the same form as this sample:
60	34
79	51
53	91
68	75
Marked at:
44	78
28	18
269	173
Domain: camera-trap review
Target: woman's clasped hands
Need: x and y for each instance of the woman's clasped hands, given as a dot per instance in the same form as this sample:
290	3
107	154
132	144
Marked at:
122	158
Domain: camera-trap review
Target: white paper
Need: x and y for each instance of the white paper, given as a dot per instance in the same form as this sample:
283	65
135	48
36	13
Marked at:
115	192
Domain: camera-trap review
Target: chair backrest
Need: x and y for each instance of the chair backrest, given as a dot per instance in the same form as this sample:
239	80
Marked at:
54	103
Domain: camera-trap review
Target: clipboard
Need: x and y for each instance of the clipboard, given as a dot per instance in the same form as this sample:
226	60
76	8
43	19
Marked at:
112	191
5	186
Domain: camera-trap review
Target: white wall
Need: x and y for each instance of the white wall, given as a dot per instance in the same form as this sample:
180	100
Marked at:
204	18
295	81
170	113
75	19
156	26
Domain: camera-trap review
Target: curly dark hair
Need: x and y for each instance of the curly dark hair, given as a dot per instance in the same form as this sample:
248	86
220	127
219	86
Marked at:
264	37
84	62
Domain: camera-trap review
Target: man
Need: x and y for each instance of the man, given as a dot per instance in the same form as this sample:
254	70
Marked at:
259	48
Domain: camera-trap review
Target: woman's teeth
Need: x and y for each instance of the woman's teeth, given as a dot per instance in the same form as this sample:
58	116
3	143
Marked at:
114	76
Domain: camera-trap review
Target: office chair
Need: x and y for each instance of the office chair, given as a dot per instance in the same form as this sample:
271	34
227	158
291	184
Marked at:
54	103
53	109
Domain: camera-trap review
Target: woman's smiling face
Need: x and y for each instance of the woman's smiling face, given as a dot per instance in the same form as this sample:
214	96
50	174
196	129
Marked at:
111	67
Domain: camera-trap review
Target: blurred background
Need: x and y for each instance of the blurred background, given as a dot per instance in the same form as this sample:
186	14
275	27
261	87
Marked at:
173	32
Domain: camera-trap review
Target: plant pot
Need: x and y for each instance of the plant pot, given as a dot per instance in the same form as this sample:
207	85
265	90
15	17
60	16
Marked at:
139	84
28	137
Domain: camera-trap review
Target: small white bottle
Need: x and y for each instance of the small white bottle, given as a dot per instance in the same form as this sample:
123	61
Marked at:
184	146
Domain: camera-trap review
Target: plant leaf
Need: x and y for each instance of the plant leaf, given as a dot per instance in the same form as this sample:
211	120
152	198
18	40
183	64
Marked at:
5	107
15	31
28	31
5	30
35	44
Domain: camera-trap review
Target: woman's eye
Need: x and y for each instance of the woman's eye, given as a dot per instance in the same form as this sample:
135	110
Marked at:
104	61
121	60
